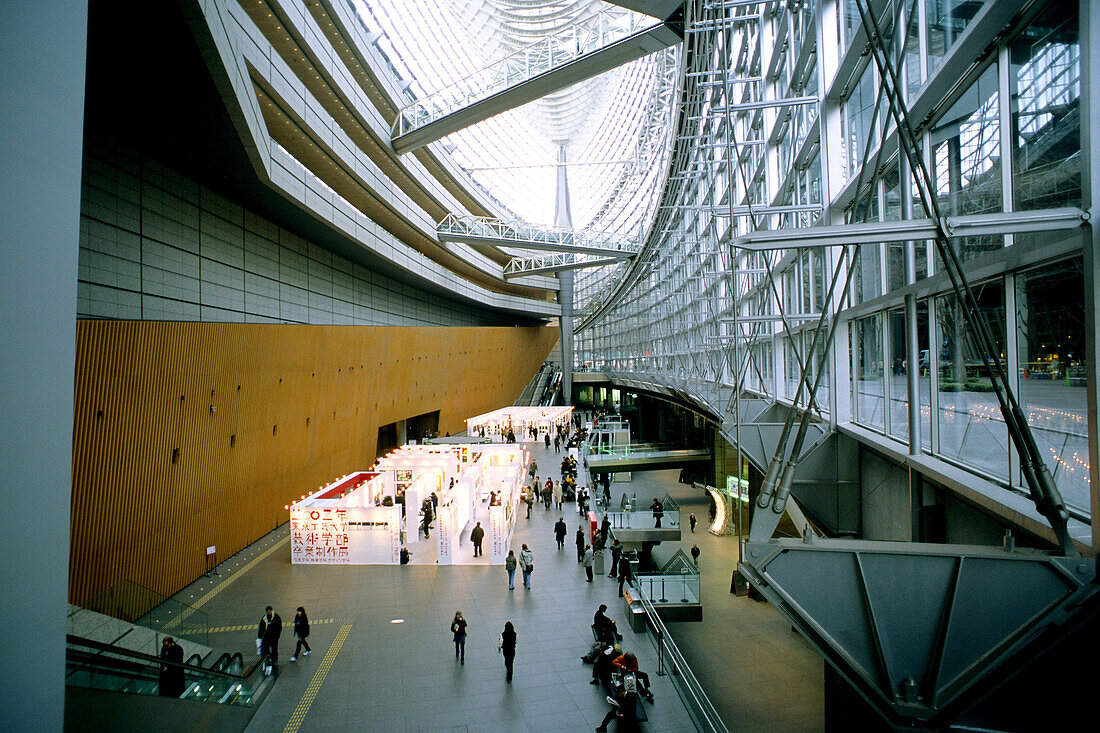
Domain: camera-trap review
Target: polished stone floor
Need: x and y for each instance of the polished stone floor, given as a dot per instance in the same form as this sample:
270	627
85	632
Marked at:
394	667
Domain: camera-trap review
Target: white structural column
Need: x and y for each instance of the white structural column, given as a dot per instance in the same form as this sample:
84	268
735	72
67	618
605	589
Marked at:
42	98
564	218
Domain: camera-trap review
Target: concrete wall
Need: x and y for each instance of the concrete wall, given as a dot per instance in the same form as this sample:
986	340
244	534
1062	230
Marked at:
886	501
41	105
966	525
156	245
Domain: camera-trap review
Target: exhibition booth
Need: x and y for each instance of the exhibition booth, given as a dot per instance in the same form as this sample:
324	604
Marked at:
368	517
520	420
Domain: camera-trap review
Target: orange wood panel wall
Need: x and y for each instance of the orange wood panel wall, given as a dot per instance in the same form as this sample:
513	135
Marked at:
195	434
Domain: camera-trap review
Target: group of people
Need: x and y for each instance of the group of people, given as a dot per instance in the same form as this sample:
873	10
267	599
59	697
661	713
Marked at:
525	562
506	643
268	632
617	671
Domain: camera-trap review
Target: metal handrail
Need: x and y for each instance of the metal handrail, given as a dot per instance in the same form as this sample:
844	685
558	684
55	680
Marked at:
698	705
149	659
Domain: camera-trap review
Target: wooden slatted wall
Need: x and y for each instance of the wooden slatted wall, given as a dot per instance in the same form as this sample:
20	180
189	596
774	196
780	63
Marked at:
195	434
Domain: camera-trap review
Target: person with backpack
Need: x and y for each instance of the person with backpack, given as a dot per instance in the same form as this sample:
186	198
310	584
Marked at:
510	564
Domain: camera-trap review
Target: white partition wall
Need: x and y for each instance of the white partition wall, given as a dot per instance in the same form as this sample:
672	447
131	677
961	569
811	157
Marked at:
366	517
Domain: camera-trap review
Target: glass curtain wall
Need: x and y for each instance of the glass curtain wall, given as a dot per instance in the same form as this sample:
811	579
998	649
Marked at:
777	132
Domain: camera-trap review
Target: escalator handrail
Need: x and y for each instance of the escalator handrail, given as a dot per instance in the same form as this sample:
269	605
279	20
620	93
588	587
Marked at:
150	659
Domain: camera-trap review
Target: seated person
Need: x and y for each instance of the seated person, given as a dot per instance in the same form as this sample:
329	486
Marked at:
605	626
602	666
628	663
623	707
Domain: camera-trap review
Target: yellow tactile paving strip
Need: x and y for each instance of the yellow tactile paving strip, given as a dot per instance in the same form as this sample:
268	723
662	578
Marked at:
244	569
304	704
247	627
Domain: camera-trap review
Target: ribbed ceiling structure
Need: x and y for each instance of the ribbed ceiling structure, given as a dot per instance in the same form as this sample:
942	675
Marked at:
613	127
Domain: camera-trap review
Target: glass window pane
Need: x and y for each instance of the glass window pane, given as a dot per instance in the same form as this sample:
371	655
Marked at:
1050	318
794	368
867	285
971	427
898	385
857	115
947	19
925	381
821	280
824	386
867	372
1045	83
967	152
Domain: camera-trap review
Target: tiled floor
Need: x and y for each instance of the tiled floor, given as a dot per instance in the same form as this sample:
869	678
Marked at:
403	676
758	673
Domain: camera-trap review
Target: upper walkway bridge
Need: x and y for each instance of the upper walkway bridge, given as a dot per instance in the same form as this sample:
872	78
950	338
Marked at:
609	39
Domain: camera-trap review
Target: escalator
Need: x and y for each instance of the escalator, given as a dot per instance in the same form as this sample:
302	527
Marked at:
112	688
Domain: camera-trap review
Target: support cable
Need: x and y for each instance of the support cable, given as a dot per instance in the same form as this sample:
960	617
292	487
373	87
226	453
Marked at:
1044	493
775	489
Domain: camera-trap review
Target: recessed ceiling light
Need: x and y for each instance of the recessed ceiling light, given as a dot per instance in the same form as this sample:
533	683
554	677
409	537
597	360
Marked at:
397	620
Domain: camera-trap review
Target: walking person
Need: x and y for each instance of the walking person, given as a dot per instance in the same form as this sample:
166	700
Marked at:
301	631
691	522
527	565
560	530
458	628
695	554
547	440
172	682
616	551
477	534
588	558
267	636
510	564
580	544
558	495
624	572
506	645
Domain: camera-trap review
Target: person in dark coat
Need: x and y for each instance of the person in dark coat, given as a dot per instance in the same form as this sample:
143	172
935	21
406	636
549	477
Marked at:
658	510
605	625
602	666
580	544
507	647
458	628
560	531
476	536
623	707
695	554
691	522
624	572
616	551
171	677
267	635
301	630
